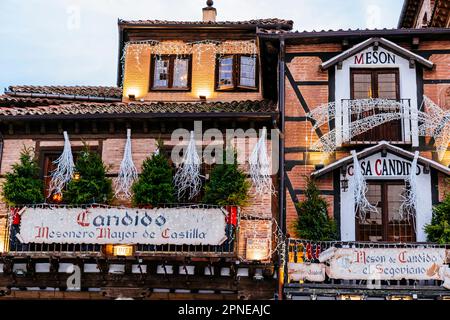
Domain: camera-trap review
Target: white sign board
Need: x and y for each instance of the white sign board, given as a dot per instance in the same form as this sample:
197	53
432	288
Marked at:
192	226
306	271
387	264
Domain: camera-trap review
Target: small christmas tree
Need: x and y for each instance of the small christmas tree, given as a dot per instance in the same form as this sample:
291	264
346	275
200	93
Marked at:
92	186
313	221
154	185
439	229
23	184
228	185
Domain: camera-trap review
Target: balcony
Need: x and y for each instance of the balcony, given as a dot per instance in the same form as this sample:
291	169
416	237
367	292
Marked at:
227	249
309	252
368	121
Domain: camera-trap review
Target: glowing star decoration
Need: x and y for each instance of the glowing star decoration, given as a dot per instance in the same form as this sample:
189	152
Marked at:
127	172
64	168
187	178
435	123
260	166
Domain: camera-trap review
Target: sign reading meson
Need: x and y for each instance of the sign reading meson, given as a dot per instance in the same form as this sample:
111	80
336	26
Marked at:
387	264
192	226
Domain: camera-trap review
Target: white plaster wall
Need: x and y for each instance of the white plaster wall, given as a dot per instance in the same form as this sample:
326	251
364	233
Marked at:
408	90
424	203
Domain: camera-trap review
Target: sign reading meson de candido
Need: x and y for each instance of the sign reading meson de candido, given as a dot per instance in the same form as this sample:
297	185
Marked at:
191	226
387	264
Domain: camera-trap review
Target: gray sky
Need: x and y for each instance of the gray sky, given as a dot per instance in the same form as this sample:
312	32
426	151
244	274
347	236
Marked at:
74	42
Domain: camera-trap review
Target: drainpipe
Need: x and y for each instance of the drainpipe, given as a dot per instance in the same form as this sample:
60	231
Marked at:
282	189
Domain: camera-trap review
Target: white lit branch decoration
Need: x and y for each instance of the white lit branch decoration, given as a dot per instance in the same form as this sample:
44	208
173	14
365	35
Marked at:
436	124
409	203
360	188
187	178
260	166
64	170
127	172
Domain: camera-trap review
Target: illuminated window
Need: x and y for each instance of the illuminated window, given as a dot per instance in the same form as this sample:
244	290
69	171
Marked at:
236	72
170	72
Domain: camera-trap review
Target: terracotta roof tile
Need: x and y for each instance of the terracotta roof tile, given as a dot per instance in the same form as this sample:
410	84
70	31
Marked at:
94	91
257	22
97	108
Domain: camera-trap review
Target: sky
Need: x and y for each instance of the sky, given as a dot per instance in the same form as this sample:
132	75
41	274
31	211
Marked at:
75	42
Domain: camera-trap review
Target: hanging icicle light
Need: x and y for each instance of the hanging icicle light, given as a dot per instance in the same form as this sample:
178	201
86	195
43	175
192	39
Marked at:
260	166
187	178
409	204
127	172
363	205
64	168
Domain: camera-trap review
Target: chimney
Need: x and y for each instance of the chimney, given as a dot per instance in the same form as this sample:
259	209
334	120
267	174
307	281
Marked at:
209	12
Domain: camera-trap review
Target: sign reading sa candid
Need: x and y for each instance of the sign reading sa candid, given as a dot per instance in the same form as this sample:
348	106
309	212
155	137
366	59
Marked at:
192	226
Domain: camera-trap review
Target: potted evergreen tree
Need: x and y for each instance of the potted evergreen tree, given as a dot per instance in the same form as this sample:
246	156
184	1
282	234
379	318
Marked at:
439	229
313	222
154	185
91	184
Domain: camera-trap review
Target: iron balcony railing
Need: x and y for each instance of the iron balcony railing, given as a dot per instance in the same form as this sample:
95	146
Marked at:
372	120
227	249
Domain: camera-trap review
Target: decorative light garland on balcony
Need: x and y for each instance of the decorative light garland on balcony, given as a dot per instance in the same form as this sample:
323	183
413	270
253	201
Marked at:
127	171
435	121
178	48
64	170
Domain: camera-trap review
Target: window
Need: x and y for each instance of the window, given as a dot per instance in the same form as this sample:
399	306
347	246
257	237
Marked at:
376	83
47	158
236	72
170	72
387	224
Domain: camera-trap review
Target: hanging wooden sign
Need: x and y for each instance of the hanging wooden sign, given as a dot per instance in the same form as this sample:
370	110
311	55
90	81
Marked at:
193	226
306	271
387	264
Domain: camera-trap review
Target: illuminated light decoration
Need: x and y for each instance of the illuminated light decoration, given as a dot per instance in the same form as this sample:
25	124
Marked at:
64	170
260	166
362	205
436	124
57	197
409	203
179	48
187	178
127	171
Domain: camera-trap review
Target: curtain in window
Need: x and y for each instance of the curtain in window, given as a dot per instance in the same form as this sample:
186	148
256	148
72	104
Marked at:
247	74
226	72
180	73
160	78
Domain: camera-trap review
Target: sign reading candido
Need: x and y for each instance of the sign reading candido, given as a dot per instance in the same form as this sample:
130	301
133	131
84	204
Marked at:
192	226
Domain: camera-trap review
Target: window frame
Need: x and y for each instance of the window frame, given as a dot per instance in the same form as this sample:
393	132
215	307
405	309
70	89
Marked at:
374	83
44	152
170	73
236	87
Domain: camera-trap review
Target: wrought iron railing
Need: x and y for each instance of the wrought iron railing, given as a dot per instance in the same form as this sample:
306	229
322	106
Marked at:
373	120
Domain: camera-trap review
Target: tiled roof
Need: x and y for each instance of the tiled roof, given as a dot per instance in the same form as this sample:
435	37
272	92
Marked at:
97	108
256	22
94	91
